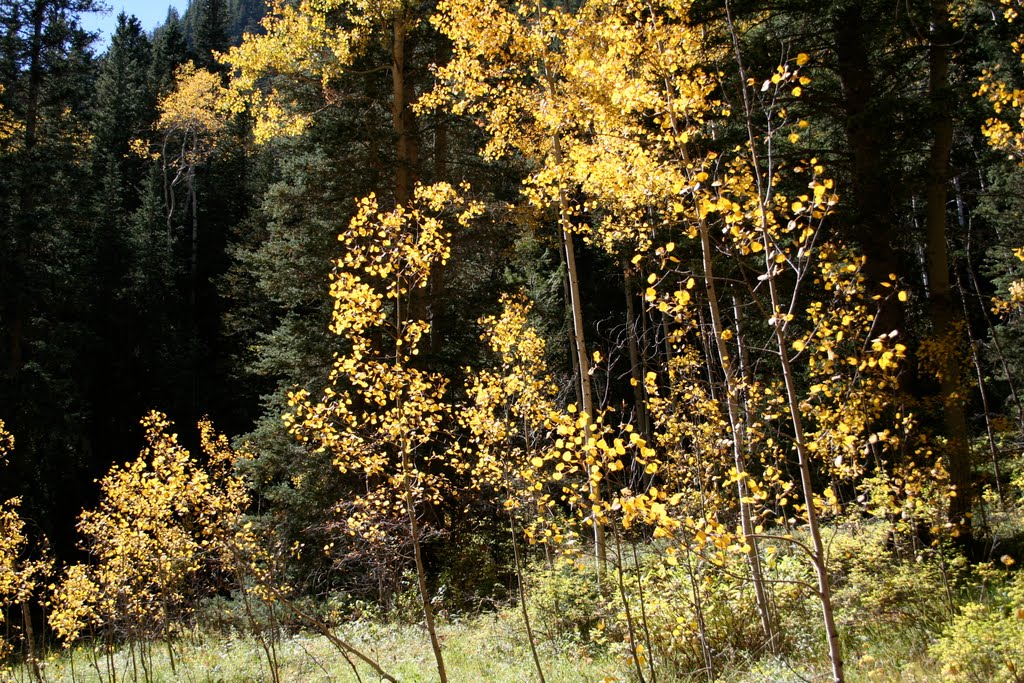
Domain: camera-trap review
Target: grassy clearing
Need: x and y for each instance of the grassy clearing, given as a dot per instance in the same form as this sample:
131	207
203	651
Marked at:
489	648
486	648
907	613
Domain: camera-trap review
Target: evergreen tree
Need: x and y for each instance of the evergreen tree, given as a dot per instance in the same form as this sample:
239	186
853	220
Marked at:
210	33
48	258
123	107
170	50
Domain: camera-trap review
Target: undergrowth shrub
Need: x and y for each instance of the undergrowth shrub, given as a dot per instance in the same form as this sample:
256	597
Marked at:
565	604
985	641
676	596
892	604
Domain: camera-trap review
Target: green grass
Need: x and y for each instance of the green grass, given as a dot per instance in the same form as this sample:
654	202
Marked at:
896	612
486	648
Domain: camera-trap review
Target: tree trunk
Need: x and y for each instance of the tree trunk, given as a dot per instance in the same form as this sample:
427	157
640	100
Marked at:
778	325
942	312
421	572
402	117
635	363
872	207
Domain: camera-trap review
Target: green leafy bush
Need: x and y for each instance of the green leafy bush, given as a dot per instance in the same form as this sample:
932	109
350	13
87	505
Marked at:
985	641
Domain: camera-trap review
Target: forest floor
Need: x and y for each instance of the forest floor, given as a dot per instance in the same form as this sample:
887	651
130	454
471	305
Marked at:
920	616
485	649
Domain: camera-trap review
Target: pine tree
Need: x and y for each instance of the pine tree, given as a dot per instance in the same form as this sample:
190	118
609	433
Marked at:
210	33
48	256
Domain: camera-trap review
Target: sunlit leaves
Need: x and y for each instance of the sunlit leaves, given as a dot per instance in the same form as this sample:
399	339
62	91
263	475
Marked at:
164	522
1005	130
19	574
192	117
381	416
307	43
9	125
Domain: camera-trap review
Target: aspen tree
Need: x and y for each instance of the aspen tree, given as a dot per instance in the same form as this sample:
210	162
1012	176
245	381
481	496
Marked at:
381	417
19	575
508	68
191	119
306	42
581	135
508	418
635	118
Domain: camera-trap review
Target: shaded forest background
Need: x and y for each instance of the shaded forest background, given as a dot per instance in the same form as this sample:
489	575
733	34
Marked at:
201	287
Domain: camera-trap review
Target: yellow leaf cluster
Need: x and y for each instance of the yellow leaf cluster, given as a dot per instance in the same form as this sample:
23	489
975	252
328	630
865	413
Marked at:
19	575
164	522
381	416
1004	130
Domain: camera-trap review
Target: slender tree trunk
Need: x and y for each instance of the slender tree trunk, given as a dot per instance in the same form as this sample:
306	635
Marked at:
579	346
421	572
30	642
965	227
739	443
867	139
732	396
627	612
635	362
778	325
436	310
402	117
942	312
520	580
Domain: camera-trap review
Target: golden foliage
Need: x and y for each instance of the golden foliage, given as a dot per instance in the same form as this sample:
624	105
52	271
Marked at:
9	125
381	416
164	525
305	44
1005	130
19	575
195	113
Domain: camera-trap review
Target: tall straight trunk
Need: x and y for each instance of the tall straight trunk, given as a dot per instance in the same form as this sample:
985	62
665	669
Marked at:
579	343
406	169
403	122
942	312
635	363
580	352
739	432
402	118
35	73
24	218
438	283
964	224
732	396
867	138
778	324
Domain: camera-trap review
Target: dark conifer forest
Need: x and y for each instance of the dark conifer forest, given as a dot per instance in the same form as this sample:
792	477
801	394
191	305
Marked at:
621	340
